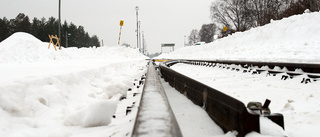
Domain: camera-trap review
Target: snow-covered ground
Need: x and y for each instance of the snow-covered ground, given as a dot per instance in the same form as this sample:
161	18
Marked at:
63	93
72	92
192	119
75	92
294	39
299	103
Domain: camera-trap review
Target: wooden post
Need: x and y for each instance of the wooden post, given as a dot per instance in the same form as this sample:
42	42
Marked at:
50	37
51	41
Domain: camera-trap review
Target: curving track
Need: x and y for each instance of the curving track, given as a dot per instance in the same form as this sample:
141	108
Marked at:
227	111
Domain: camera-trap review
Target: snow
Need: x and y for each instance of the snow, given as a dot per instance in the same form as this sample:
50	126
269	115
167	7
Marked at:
154	117
75	92
96	114
294	39
192	119
298	102
69	92
270	128
154	120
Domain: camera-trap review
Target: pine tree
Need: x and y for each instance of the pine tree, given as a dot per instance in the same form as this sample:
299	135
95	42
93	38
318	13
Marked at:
207	32
4	29
77	36
21	23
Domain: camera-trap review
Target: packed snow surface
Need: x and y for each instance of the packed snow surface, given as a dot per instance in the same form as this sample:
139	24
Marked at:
293	39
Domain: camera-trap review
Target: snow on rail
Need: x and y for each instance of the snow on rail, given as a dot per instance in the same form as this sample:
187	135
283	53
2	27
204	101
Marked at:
155	117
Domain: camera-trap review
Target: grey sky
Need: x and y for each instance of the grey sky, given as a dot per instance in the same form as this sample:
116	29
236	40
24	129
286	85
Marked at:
163	21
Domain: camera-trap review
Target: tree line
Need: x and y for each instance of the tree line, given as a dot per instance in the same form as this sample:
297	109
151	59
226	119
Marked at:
241	15
76	36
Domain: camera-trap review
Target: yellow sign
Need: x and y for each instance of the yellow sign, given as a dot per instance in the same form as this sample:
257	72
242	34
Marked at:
161	60
225	28
121	22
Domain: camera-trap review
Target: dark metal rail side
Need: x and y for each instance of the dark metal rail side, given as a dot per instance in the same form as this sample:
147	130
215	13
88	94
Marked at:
155	117
306	67
228	112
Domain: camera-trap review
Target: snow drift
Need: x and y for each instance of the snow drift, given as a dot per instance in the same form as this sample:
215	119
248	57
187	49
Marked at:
22	47
44	92
293	39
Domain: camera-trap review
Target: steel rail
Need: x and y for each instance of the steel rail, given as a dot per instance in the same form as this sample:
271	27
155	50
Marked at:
305	67
229	113
155	117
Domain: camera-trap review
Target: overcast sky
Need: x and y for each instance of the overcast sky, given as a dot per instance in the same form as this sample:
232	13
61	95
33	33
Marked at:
162	21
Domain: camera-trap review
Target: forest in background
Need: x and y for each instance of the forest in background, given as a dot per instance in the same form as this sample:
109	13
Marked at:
41	28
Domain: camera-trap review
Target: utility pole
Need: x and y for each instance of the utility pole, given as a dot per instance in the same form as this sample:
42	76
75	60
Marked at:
184	42
140	46
137	8
59	27
143	44
66	39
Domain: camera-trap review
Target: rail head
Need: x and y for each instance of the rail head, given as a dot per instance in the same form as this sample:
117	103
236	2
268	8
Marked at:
306	67
155	117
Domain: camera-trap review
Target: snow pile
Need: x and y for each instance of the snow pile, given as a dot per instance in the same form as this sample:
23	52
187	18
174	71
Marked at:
99	114
23	47
22	40
293	39
69	92
96	114
270	128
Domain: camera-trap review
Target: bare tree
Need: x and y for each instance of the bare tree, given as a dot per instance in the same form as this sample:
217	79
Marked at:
207	32
265	10
194	37
231	13
314	5
241	15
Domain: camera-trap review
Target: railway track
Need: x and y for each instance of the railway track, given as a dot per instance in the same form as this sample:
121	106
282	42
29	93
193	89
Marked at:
287	70
155	116
228	112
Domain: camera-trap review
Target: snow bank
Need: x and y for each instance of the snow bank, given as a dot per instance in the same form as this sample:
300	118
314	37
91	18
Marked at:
20	40
293	39
44	92
24	48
